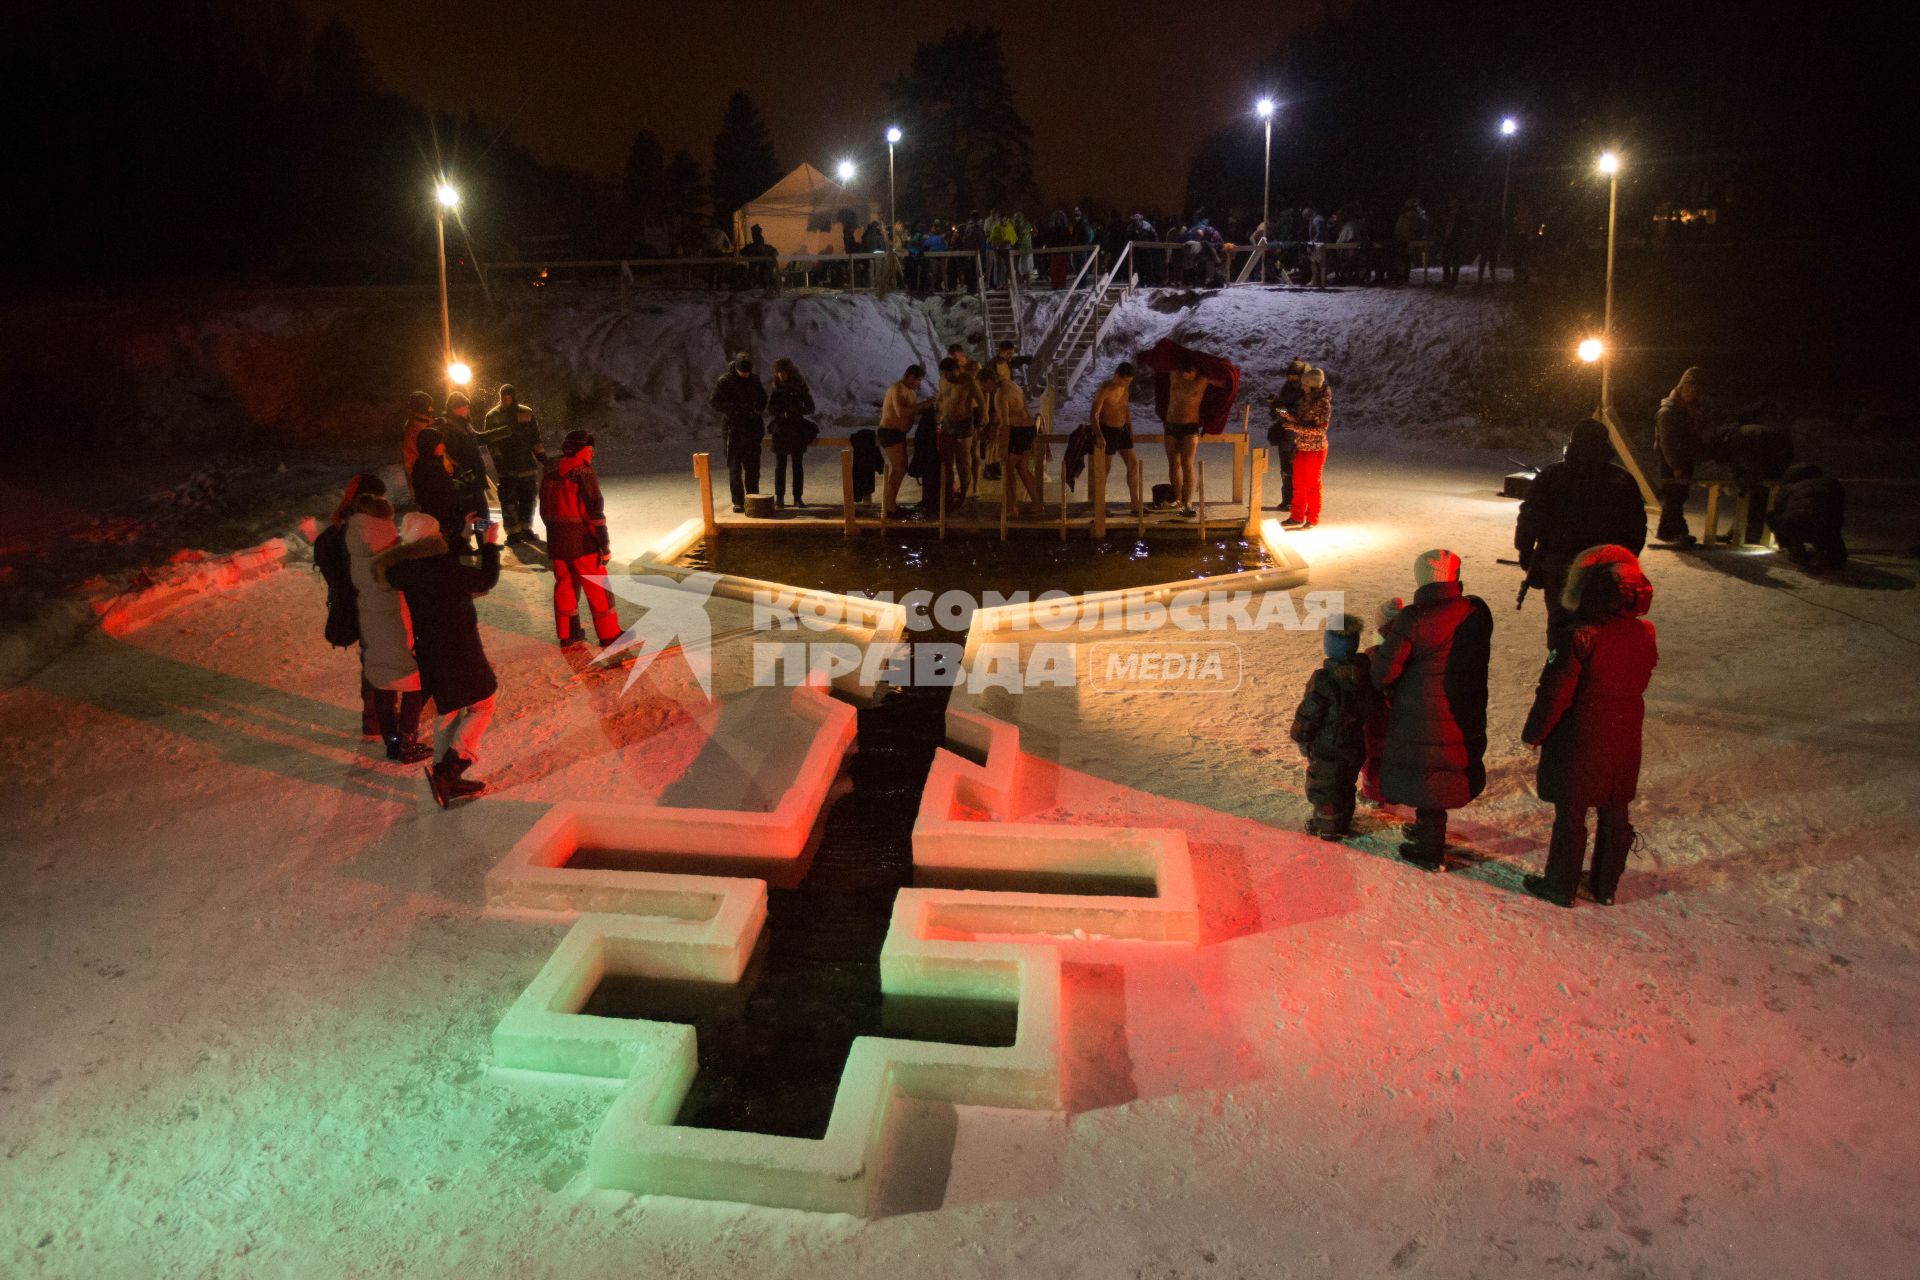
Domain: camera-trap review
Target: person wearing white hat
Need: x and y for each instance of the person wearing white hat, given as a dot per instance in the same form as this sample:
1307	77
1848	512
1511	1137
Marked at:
1432	665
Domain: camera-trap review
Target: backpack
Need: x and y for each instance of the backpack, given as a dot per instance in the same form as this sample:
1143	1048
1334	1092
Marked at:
330	557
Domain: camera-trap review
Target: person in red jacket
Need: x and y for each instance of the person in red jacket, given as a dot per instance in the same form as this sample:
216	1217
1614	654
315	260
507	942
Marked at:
577	542
1432	666
1309	431
1586	720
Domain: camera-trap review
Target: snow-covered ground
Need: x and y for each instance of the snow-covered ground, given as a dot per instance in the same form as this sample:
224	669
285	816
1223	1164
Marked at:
249	989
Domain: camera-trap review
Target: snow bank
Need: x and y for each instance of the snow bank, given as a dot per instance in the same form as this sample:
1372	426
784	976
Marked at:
1399	360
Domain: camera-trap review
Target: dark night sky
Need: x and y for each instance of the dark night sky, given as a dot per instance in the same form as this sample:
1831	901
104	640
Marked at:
1118	96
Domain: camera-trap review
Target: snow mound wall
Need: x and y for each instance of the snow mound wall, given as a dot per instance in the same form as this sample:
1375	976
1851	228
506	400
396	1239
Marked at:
289	369
1400	361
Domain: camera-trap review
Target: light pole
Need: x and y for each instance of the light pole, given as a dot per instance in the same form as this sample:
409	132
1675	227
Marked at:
445	198
1265	109
1508	127
1609	165
893	136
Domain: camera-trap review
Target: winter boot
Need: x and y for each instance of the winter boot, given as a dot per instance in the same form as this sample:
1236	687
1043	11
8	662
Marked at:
1426	844
1610	848
448	786
1545	890
406	750
571	633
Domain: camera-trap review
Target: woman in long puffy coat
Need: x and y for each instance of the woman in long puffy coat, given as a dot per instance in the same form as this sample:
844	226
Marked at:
1586	720
386	632
1432	666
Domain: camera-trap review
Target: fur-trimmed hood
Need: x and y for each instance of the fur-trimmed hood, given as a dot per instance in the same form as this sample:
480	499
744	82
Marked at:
1606	580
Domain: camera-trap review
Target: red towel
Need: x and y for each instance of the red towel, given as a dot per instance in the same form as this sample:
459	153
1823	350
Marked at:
1216	406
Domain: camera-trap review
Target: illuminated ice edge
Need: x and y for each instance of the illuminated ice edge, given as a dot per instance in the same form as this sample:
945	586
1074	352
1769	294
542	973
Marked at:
703	928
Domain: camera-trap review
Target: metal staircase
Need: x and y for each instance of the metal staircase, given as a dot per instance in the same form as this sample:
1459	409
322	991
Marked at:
1066	351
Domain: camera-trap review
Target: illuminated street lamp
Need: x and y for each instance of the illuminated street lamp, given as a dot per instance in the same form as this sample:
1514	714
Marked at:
845	170
459	373
893	137
1264	109
445	198
1609	165
1591	349
1508	127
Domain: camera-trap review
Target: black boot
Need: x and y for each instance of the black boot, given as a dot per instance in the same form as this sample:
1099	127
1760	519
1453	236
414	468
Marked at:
1426	843
448	786
1544	889
406	750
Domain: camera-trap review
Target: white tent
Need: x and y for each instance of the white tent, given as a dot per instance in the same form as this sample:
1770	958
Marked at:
803	211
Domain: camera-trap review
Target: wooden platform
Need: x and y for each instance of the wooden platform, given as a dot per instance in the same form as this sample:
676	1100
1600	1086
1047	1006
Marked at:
984	517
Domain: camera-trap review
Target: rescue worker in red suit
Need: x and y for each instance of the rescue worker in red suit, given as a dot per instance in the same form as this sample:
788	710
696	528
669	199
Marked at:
577	542
1586	720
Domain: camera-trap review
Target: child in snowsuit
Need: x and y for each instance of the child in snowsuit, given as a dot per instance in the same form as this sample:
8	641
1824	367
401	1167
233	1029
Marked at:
1329	728
1586	720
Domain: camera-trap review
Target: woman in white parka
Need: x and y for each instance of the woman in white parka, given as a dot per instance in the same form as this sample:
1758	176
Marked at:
386	633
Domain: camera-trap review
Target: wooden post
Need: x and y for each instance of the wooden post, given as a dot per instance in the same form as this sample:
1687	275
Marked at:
1240	451
1200	495
1632	464
703	476
1097	480
1712	530
946	479
1140	510
1006	492
1255	484
886	470
1738	534
1063	494
846	492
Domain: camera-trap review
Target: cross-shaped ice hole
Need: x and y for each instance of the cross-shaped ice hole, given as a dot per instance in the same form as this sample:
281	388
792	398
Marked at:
772	1046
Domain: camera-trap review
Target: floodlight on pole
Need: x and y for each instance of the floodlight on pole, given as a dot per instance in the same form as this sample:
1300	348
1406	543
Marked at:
1609	165
845	170
1264	109
893	217
445	197
459	373
1591	349
1508	127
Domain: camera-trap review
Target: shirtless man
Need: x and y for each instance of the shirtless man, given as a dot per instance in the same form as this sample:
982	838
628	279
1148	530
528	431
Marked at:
967	372
1013	424
1112	417
959	402
1185	389
898	414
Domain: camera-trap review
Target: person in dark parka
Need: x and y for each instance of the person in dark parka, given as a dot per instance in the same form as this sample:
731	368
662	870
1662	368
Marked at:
1432	666
740	400
790	410
1679	435
1329	727
1808	512
454	671
1581	501
512	435
1586	720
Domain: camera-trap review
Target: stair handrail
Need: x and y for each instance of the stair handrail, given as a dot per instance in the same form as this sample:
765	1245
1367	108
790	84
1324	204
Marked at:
1049	343
1095	298
986	308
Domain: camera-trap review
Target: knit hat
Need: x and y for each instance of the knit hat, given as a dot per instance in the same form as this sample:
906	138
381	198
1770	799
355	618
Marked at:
507	391
1342	637
418	526
1313	378
1296	367
420	402
575	442
1437	565
457	400
743	362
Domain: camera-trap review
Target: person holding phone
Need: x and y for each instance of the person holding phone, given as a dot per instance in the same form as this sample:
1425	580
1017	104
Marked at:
577	542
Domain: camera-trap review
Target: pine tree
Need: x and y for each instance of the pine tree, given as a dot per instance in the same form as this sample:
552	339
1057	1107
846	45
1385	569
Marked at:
968	147
744	163
684	200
